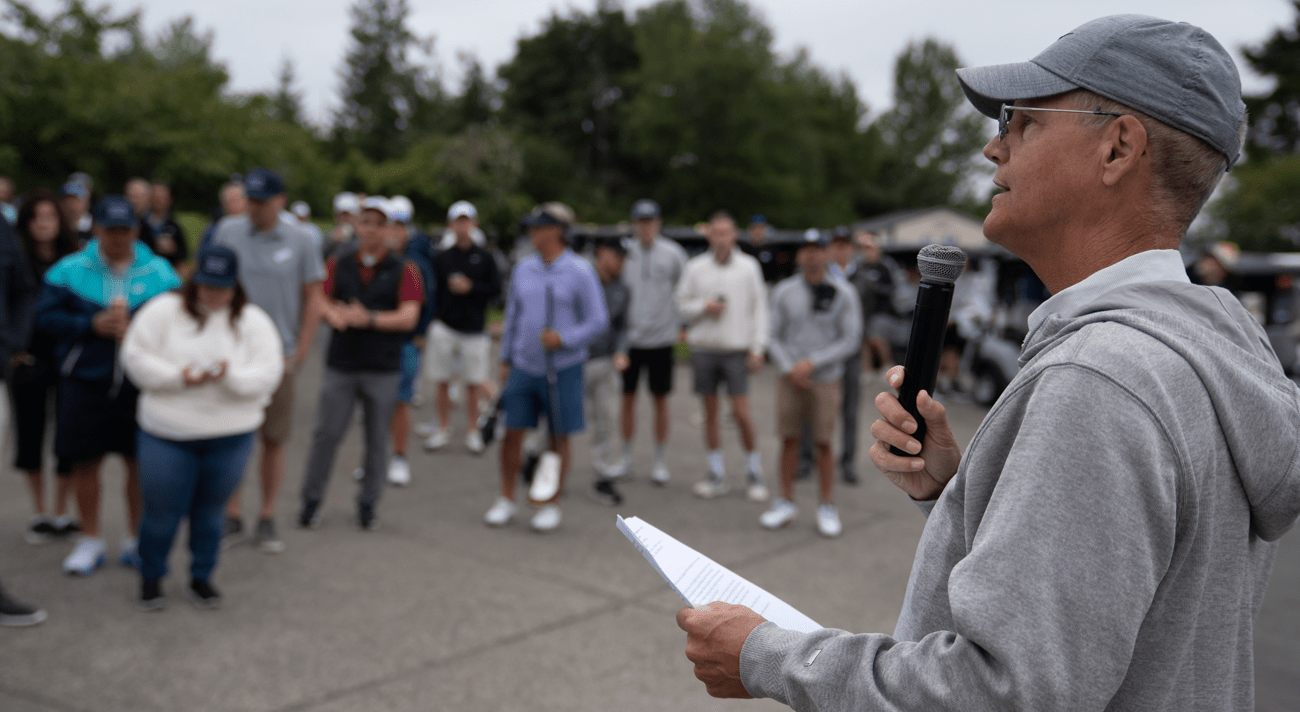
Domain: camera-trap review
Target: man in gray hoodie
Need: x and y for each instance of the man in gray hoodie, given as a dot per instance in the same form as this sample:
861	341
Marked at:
1106	540
654	264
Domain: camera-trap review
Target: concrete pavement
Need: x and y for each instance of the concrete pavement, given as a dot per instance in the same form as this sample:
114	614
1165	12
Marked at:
436	612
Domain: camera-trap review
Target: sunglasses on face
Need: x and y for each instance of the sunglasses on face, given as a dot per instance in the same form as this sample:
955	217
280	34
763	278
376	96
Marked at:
1004	115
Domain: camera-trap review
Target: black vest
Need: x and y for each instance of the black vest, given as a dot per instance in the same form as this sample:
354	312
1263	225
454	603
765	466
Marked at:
362	349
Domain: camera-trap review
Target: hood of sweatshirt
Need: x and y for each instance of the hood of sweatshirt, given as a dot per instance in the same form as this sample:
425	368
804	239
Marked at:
1257	406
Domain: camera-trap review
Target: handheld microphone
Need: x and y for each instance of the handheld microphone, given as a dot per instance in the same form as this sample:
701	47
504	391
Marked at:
940	266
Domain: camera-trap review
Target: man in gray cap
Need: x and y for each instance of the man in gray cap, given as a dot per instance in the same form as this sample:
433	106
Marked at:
1106	541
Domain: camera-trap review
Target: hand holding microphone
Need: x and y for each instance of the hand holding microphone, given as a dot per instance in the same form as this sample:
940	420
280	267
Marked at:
915	447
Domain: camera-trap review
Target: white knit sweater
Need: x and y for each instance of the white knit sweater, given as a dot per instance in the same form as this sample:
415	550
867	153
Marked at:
164	339
743	324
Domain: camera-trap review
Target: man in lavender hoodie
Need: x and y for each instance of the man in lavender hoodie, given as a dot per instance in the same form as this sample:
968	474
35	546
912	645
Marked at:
556	307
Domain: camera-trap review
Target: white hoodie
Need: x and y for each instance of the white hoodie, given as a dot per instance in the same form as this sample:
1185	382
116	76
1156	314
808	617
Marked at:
164	339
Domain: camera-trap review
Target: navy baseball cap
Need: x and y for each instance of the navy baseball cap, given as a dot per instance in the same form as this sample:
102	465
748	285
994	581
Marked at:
218	266
553	213
262	184
645	210
814	238
757	220
115	211
74	188
1172	71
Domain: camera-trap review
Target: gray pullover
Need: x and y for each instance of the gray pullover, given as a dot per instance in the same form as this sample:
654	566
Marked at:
1109	535
826	337
651	275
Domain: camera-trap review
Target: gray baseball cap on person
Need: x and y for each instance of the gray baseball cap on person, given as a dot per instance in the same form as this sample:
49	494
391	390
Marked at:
1172	71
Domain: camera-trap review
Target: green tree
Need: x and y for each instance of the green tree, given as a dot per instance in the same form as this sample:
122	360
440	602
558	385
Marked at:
286	102
931	137
1275	117
1261	205
389	98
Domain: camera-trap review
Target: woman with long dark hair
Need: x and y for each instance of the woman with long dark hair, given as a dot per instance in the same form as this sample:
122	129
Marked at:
206	362
46	238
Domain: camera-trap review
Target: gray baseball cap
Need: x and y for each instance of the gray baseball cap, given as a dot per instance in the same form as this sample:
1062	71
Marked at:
1172	71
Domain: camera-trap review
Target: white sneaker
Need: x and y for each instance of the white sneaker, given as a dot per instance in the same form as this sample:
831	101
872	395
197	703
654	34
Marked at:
399	473
756	489
828	521
502	511
659	475
547	518
438	440
711	486
359	474
781	513
622	468
129	552
474	441
426	429
86	556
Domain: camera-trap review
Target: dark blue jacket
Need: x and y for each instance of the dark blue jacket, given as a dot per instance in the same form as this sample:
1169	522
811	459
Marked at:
79	286
420	251
17	291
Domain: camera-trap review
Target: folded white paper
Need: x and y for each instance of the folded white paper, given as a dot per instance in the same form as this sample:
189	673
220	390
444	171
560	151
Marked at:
699	580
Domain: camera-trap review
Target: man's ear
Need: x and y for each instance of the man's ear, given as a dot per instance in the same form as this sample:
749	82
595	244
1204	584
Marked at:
1125	147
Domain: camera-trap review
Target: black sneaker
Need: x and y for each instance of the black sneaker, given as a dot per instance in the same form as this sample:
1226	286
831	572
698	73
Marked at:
268	540
366	519
66	529
234	533
151	595
850	477
203	595
17	615
606	493
40	530
309	516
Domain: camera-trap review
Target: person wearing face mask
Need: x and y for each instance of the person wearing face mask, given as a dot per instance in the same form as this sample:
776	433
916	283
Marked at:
206	362
373	304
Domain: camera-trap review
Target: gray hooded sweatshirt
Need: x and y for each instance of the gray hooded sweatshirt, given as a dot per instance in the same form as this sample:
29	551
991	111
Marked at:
1107	540
651	275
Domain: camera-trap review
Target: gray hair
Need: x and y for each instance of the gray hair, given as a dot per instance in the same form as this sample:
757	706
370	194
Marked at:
1186	168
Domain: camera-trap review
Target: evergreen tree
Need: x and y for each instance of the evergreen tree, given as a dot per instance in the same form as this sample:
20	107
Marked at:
388	97
286	103
1275	117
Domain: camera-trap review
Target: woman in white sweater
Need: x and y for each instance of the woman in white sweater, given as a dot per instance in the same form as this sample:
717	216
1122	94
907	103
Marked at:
206	362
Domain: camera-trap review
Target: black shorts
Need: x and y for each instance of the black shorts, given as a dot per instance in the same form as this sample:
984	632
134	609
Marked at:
93	421
30	390
658	363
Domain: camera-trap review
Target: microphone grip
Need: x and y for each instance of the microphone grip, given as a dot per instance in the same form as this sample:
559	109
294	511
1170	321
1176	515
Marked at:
924	350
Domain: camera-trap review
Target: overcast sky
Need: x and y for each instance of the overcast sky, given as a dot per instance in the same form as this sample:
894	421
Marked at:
858	37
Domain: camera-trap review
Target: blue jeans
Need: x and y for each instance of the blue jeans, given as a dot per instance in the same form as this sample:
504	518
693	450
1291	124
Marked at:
191	478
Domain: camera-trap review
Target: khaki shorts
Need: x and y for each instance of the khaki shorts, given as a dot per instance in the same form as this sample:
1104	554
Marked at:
279	412
819	406
445	346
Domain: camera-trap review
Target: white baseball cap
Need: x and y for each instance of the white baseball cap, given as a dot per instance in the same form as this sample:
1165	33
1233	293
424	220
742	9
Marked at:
462	208
380	203
346	202
400	209
301	209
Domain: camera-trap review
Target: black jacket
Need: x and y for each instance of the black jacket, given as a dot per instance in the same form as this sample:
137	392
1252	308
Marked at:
17	297
466	312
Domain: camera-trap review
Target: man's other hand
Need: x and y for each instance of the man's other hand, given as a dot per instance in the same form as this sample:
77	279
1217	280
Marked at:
715	636
551	339
923	476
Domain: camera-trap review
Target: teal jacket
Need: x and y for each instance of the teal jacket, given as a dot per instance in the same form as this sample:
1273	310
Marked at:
81	285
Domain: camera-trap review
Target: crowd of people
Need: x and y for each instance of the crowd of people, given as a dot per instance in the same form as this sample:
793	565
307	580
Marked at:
180	366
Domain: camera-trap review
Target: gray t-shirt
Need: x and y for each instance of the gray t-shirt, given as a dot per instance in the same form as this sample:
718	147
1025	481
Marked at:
273	267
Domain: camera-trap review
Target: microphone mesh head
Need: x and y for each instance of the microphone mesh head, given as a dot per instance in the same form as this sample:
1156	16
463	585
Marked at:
941	263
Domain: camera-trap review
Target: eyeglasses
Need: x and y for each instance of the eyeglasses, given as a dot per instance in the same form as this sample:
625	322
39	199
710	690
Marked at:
1004	115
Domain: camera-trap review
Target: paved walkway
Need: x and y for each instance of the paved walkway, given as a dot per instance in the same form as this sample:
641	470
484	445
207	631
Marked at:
436	612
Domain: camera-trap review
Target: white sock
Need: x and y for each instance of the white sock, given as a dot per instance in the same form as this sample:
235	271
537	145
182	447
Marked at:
715	463
661	453
627	449
754	463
